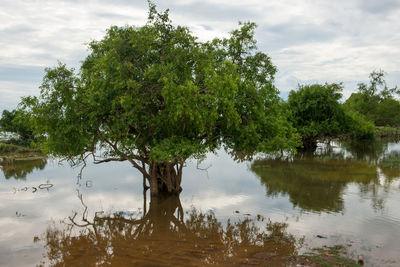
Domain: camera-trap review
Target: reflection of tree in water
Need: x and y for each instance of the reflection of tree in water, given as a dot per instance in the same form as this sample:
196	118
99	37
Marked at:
19	169
162	237
387	163
316	181
366	150
314	184
380	190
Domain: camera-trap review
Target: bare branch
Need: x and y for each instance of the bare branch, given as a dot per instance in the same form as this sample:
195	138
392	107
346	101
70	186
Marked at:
130	158
203	169
108	160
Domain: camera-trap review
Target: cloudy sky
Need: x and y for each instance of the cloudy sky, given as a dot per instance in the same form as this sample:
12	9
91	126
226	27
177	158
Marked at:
308	40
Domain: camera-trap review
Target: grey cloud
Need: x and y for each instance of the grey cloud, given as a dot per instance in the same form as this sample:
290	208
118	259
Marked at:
379	6
286	82
211	11
332	61
21	74
200	9
290	34
17	29
393	78
207	28
17	32
141	3
112	16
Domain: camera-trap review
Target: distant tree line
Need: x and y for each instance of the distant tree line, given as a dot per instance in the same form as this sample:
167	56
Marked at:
376	101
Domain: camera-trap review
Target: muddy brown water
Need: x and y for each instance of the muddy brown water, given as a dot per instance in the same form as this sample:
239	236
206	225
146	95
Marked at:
258	213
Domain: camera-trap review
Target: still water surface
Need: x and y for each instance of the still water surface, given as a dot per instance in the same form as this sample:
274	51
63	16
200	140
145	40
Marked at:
346	194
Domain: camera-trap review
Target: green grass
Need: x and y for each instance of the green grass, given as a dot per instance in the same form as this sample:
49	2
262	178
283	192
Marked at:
10	150
329	256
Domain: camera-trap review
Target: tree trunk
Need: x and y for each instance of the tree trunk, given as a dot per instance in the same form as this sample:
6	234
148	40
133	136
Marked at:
309	143
165	179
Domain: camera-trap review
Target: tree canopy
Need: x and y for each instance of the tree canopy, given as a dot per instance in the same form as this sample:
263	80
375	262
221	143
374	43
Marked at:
376	101
316	113
156	96
17	121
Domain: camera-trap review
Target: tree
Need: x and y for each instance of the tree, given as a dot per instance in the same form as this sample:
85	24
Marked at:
156	96
17	122
376	101
316	112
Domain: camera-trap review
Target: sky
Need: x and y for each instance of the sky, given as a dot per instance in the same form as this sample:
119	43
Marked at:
308	40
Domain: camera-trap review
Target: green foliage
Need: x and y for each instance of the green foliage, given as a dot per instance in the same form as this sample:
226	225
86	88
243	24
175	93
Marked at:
385	131
376	101
388	112
18	122
156	94
358	126
316	112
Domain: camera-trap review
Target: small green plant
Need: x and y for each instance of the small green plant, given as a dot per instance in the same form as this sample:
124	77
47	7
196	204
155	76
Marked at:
329	256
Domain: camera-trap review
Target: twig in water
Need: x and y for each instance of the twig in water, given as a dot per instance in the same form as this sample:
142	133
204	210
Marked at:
203	169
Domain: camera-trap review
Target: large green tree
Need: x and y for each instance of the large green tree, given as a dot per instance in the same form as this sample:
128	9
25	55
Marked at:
156	96
316	113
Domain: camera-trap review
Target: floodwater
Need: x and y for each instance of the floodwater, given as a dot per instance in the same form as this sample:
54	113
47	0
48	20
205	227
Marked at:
258	213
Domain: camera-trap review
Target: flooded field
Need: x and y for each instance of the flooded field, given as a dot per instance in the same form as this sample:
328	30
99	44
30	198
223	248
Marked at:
263	212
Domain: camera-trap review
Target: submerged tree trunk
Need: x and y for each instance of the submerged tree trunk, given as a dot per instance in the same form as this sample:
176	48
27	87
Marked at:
309	143
165	178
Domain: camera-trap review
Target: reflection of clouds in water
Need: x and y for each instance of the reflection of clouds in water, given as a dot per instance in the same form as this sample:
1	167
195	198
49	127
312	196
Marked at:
359	224
216	200
130	179
228	187
394	147
113	201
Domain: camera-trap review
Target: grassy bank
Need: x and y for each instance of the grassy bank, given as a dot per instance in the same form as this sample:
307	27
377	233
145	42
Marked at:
10	152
